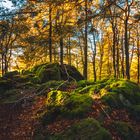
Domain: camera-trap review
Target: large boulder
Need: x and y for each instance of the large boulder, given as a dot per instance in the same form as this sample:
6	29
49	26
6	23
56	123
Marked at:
48	72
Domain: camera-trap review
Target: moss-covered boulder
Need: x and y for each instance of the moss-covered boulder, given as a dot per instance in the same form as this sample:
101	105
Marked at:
65	105
125	130
77	106
5	85
135	112
121	93
69	72
10	75
48	72
87	129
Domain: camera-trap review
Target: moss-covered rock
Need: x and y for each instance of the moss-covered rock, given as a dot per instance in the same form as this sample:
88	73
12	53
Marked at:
135	112
66	105
121	93
125	130
47	72
69	72
5	85
10	75
87	129
116	100
77	106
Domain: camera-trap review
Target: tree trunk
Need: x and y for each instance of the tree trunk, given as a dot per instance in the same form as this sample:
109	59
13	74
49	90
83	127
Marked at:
69	51
94	59
61	50
86	45
113	51
138	55
50	33
127	50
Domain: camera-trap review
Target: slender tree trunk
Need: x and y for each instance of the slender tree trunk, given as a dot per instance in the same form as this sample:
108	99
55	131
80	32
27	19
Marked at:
81	51
101	62
114	51
127	50
5	64
69	50
86	45
50	33
2	64
61	50
94	59
122	58
138	55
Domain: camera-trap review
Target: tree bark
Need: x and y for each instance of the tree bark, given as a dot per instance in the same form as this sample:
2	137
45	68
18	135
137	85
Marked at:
86	45
50	33
61	50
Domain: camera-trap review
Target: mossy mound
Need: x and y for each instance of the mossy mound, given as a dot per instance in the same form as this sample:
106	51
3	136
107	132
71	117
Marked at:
65	105
135	112
125	130
48	72
87	129
121	93
5	85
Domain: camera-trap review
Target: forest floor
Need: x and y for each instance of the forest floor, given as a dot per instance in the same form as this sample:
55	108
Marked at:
18	122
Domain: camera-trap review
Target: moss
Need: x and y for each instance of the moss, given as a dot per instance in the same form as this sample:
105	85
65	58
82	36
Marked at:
65	105
95	88
129	90
87	129
55	100
135	112
10	96
125	130
5	85
70	73
121	93
35	80
51	85
26	72
76	106
83	83
116	100
11	74
49	72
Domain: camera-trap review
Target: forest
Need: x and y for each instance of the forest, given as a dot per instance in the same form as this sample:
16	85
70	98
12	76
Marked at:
69	69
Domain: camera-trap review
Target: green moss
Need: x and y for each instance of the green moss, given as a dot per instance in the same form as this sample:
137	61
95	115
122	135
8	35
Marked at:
77	106
35	80
5	85
116	100
48	72
54	102
65	105
129	90
10	96
135	112
125	130
121	93
87	129
11	74
83	83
